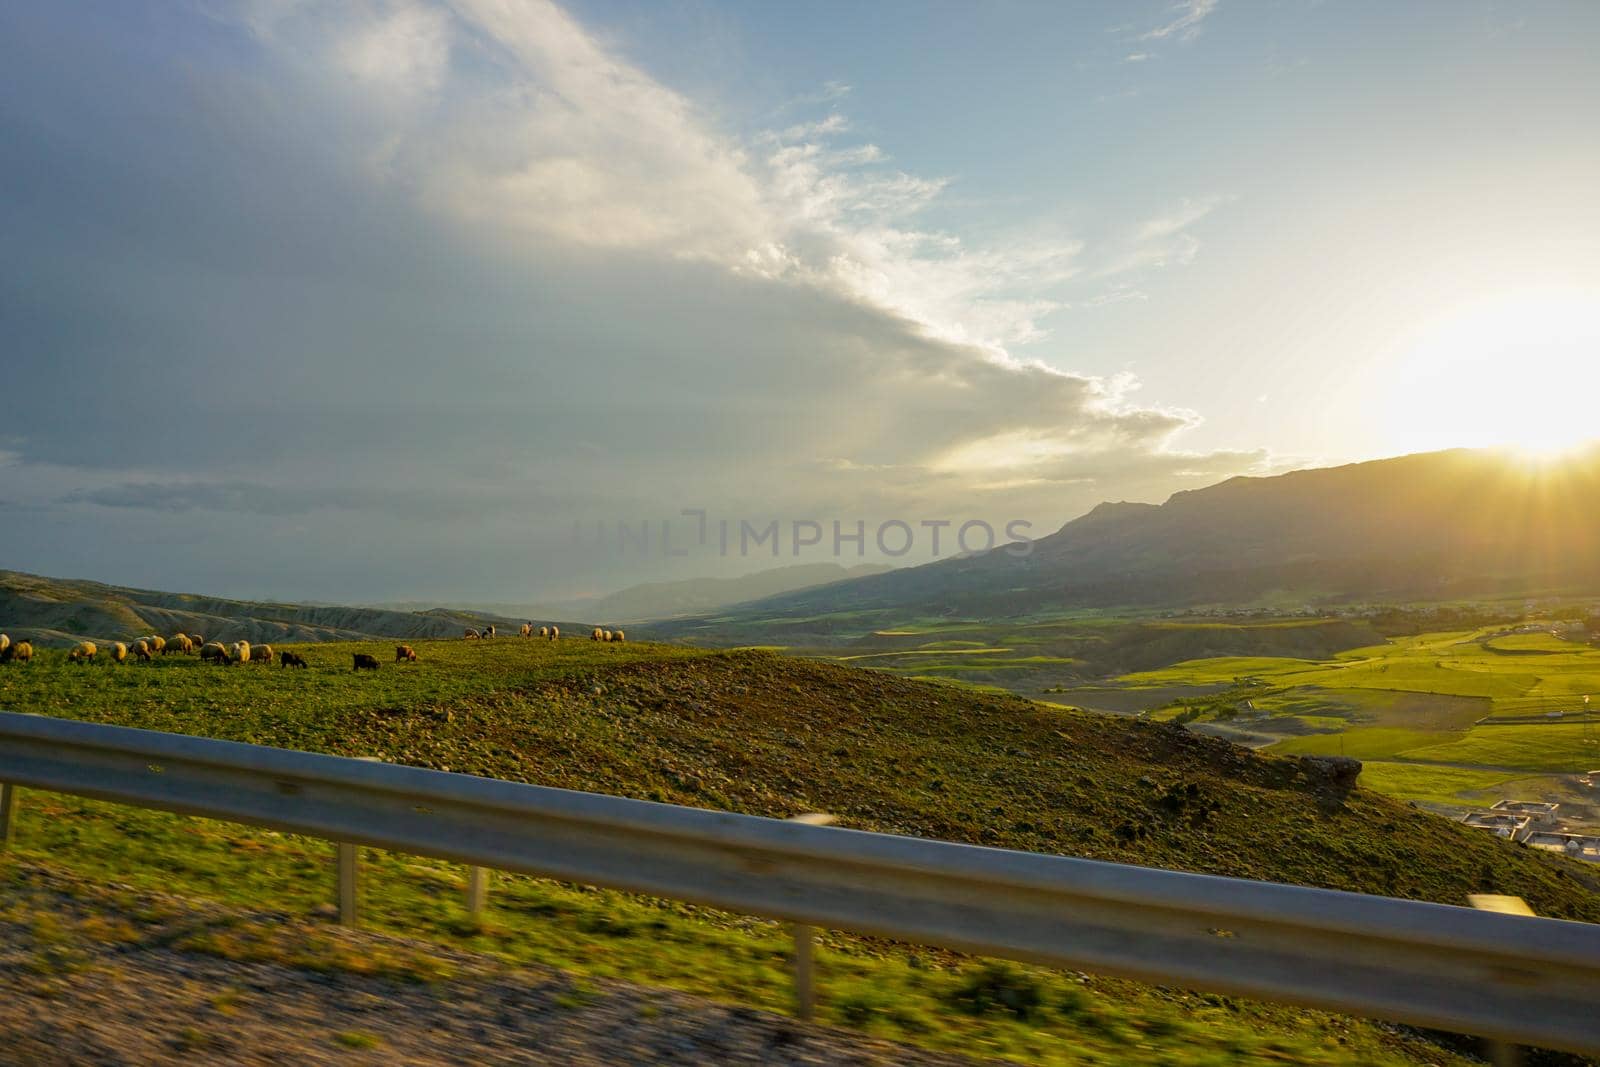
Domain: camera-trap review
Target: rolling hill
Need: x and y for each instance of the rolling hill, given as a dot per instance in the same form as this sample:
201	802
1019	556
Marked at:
1433	526
57	611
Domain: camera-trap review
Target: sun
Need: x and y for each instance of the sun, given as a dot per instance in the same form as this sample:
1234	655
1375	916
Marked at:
1520	371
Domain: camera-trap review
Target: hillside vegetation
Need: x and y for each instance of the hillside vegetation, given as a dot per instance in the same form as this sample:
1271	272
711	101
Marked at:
754	732
58	611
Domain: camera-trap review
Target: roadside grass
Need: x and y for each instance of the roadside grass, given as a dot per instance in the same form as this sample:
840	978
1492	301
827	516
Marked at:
936	999
768	735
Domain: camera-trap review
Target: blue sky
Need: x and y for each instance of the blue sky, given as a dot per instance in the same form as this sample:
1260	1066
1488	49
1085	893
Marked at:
376	300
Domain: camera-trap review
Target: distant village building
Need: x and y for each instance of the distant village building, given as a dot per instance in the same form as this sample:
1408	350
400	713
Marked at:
1501	824
1540	814
1578	846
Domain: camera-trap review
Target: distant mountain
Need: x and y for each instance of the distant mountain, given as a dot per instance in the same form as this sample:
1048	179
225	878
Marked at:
1434	526
54	610
696	596
665	600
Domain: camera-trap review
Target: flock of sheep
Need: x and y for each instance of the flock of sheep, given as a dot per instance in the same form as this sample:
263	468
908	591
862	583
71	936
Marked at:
147	648
548	633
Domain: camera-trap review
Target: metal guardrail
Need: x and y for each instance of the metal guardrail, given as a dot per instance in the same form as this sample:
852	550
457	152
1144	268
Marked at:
1507	977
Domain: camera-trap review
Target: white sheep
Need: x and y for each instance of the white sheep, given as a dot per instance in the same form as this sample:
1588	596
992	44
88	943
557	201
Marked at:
598	635
119	652
261	654
141	649
158	644
83	650
239	652
617	635
5	642
527	629
214	650
178	642
555	633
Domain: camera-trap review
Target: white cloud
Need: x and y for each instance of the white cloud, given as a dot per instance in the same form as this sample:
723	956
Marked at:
1185	23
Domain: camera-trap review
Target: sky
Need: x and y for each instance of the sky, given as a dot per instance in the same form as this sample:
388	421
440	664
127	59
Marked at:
508	300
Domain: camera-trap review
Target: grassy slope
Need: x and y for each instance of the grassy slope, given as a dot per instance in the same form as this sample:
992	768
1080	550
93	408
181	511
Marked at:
749	731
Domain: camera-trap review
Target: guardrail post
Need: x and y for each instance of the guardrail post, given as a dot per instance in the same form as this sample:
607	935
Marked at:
477	892
1501	1053
805	939
349	869
8	800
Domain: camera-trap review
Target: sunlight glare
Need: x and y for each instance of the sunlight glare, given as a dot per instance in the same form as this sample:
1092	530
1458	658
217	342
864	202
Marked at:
1520	372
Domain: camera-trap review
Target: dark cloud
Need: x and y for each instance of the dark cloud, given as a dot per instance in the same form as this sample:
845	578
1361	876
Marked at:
350	305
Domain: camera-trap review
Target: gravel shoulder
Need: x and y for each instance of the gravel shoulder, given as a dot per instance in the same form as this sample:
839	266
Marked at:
108	975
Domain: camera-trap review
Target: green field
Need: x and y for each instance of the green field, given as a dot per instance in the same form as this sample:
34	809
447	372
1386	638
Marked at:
1428	706
754	732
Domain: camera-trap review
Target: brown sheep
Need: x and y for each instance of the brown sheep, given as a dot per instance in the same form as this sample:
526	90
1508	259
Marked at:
471	634
291	659
405	654
83	652
362	661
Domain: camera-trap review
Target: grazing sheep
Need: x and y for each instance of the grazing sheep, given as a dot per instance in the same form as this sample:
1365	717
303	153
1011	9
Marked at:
5	643
141	651
239	652
488	631
197	641
527	629
261	654
21	652
83	651
544	631
605	635
617	635
291	659
179	642
555	633
158	644
471	634
598	634
213	650
118	652
405	653
364	662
